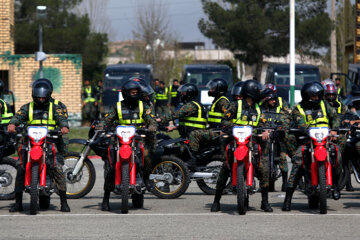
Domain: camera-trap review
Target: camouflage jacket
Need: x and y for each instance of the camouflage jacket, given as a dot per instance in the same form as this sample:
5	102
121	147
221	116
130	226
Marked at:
110	120
22	116
282	118
299	121
62	106
186	110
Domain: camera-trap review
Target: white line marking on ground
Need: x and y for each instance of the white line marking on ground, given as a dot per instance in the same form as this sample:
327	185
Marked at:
180	214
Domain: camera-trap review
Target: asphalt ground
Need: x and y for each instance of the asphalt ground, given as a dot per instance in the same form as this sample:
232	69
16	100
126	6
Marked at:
187	217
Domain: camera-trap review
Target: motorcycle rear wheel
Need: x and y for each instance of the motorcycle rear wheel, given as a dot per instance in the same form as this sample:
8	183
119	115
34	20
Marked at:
241	189
34	193
9	168
125	182
323	190
181	178
210	188
84	181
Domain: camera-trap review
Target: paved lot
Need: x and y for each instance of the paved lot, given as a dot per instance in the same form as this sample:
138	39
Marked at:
188	217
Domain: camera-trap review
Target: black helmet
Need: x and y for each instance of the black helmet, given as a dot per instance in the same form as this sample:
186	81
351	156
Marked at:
311	89
267	95
127	86
236	89
219	87
41	90
46	81
252	88
188	92
1	86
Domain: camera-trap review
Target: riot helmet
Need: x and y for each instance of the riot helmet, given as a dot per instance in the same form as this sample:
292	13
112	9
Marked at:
312	93
217	87
128	93
252	89
188	92
236	90
40	91
330	92
271	86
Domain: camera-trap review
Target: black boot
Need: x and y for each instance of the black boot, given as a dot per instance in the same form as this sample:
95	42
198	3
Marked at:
288	197
349	187
336	192
216	204
264	200
64	206
284	181
192	161
105	204
17	207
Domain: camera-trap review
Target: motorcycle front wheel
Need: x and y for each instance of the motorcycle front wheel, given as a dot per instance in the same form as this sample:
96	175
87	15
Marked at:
34	193
323	190
172	178
80	185
8	171
208	186
125	182
241	189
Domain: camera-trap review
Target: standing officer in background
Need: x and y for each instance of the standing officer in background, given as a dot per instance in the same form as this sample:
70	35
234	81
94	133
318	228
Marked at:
174	95
340	90
100	91
7	96
162	99
89	102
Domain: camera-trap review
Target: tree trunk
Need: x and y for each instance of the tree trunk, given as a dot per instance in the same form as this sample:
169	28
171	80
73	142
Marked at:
259	68
333	38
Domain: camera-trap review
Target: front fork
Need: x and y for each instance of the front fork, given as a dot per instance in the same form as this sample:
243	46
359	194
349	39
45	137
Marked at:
42	170
249	168
118	168
314	168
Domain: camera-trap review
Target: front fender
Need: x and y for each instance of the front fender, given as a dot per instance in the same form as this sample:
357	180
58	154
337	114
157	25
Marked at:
78	141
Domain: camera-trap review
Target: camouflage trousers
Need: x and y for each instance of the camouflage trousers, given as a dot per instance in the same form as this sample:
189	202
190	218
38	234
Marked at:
161	110
297	168
89	112
109	166
55	172
202	137
261	167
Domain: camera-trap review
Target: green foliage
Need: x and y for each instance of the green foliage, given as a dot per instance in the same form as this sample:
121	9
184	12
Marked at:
253	28
63	32
54	75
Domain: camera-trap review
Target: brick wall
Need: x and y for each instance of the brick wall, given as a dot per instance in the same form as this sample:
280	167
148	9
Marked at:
67	90
6	26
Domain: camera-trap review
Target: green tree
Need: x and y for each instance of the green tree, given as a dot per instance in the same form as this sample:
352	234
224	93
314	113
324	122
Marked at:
252	29
64	32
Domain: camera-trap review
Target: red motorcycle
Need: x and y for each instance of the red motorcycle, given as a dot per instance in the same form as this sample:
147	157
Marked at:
242	169
41	153
318	169
128	167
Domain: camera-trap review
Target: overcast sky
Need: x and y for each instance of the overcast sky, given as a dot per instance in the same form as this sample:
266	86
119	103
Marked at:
184	16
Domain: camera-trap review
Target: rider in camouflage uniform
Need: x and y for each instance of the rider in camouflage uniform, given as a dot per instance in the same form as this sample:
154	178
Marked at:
246	112
130	106
192	116
30	114
272	109
217	89
312	111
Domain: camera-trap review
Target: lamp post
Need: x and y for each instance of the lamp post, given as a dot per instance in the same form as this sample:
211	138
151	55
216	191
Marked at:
292	52
40	55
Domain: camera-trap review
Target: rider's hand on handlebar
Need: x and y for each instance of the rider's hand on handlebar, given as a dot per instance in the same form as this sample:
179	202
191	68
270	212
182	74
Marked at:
152	128
333	133
11	128
265	135
65	130
158	119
